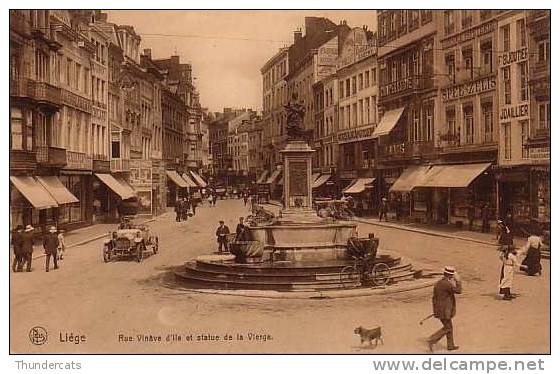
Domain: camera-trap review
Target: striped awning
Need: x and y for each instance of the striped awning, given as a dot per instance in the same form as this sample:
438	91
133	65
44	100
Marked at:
198	179
359	185
116	186
274	176
57	189
176	178
34	192
262	178
321	180
190	182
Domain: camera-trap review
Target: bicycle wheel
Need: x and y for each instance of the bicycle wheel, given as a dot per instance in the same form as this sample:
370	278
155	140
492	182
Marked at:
349	277
380	274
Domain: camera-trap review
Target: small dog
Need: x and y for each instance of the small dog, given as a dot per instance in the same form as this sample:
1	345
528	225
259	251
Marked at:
369	335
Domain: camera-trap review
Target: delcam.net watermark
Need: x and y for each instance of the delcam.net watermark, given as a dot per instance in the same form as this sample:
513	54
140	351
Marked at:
486	366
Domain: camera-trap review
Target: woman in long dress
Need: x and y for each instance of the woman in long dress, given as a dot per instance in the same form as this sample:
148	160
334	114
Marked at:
509	264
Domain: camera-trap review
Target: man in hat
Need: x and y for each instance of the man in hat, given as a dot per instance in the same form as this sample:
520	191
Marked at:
383	209
221	233
26	247
50	243
241	231
17	244
444	307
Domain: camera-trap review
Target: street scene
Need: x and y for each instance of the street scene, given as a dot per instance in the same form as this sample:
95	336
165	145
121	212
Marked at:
103	300
364	182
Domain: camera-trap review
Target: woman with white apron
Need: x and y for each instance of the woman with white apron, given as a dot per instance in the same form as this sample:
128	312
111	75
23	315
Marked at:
509	264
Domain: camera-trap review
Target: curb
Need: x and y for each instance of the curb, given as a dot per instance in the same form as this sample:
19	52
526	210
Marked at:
90	239
427	232
306	295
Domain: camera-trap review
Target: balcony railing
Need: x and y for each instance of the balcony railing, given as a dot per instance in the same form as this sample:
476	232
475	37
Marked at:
406	85
542	132
21	159
46	93
120	165
51	156
101	164
78	160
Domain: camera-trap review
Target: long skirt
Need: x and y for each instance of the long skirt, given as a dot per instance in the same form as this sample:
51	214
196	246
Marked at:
506	276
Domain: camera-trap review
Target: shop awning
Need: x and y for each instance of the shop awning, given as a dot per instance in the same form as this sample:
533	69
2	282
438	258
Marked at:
57	190
321	180
453	175
115	185
198	179
176	178
190	182
34	192
359	185
388	122
410	178
262	178
127	186
314	177
273	177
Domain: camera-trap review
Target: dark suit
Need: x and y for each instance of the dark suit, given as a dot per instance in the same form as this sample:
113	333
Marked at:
241	233
27	249
444	307
17	243
221	234
50	243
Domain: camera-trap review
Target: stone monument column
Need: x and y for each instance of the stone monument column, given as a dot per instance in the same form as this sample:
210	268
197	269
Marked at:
297	164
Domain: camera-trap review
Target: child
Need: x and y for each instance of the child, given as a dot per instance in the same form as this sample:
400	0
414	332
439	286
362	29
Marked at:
61	245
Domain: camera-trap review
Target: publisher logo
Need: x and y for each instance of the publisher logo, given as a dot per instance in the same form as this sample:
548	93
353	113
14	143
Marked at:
38	335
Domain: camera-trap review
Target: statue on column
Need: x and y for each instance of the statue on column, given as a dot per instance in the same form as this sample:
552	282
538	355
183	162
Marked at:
295	111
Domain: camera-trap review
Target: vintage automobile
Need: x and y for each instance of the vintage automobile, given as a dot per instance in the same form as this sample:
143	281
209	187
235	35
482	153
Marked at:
132	241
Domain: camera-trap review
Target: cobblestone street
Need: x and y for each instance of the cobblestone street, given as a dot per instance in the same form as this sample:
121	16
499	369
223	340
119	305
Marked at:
142	298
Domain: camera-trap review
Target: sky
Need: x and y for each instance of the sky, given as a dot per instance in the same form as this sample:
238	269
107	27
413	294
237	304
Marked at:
226	48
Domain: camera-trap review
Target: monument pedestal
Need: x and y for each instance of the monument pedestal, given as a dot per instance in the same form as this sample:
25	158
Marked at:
299	234
297	196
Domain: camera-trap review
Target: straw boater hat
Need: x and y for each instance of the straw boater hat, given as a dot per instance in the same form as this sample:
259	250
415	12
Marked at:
28	228
52	229
449	270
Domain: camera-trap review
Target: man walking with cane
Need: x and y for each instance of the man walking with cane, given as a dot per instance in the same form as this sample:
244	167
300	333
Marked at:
444	307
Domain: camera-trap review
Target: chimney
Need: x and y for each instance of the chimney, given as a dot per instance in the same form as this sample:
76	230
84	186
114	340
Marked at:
298	34
175	60
148	53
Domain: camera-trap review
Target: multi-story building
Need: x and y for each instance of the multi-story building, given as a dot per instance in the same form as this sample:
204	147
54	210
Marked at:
524	116
36	144
538	26
180	81
237	145
79	134
407	96
357	119
467	132
256	158
274	74
218	138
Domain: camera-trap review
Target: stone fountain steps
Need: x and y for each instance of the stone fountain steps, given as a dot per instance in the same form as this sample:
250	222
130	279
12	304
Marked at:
287	268
310	278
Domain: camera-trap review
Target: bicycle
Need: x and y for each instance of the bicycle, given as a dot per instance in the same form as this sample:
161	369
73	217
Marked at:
364	272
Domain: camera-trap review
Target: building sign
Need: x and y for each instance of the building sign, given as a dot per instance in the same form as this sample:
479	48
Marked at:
540	153
403	84
144	202
516	111
141	173
357	134
508	58
327	55
467	89
469	34
356	47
